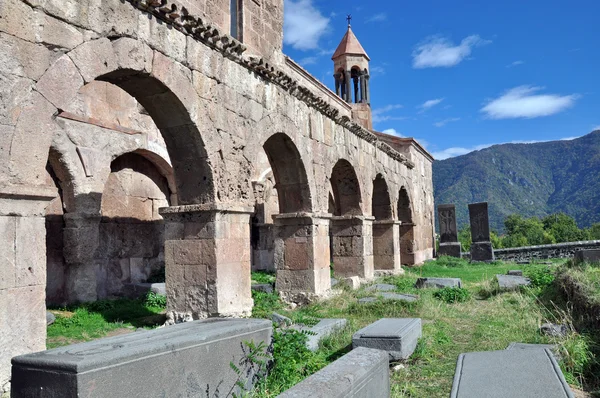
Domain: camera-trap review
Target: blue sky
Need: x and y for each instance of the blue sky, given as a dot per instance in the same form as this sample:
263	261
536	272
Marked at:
465	74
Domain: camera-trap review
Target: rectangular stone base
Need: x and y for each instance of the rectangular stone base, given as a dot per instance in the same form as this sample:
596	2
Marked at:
362	372
189	359
509	373
482	251
452	249
397	336
588	256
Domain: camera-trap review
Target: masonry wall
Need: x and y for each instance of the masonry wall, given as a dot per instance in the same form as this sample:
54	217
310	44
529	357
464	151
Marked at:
560	250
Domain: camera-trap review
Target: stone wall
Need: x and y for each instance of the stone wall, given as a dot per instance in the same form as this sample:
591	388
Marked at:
559	250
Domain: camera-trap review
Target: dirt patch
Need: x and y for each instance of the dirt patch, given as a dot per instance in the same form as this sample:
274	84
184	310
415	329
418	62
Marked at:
119	332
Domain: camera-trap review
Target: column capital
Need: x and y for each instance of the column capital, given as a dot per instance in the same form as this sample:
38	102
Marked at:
206	208
25	200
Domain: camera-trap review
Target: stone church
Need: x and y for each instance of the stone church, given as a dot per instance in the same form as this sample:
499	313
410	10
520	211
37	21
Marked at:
142	134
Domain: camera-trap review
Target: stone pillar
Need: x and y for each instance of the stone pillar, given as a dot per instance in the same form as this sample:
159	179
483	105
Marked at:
207	260
22	273
337	84
353	246
407	243
386	246
368	89
348	90
81	240
481	246
363	88
302	256
449	244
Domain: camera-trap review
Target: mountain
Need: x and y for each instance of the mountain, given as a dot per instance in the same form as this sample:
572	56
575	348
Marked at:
529	179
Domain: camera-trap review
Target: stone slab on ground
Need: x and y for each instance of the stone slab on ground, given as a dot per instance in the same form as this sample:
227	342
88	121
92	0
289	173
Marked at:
353	282
135	290
367	300
439	283
526	346
382	287
363	372
50	318
512	282
509	373
334	282
588	256
400	297
187	359
262	287
397	336
324	328
515	272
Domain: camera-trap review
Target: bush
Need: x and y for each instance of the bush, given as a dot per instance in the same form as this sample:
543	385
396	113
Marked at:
155	300
265	304
540	275
452	295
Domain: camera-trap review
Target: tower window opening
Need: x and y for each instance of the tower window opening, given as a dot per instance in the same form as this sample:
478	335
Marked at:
236	12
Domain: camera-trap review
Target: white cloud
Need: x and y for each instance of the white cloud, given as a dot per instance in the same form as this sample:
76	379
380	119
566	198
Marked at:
377	18
392	132
430	104
308	61
513	64
379	114
436	51
304	25
446	121
377	70
458	151
522	102
596	128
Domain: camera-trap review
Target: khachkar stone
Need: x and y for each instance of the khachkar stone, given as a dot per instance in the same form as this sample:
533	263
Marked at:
449	244
481	246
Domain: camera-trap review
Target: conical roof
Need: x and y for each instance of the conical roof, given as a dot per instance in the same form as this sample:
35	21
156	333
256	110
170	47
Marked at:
350	45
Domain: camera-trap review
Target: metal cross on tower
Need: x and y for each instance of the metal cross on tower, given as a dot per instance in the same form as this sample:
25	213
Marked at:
349	18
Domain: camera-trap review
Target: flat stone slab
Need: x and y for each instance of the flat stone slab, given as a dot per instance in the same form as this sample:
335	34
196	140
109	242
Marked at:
324	328
526	346
186	360
382	287
397	336
512	282
367	300
263	287
515	272
509	373
362	372
588	256
135	290
400	297
438	283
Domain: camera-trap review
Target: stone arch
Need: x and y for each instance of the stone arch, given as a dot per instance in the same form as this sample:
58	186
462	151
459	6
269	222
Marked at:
381	204
162	86
346	189
288	169
165	169
404	206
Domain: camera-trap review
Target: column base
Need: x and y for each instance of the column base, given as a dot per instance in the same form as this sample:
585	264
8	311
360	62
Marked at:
482	251
353	246
452	249
386	246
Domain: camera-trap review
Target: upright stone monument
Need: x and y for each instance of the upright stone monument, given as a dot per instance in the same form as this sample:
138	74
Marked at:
449	244
481	246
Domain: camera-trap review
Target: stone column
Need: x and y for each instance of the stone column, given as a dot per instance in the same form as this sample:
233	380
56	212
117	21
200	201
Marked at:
207	260
481	248
81	240
363	88
22	273
407	243
348	89
449	244
368	89
337	84
386	246
353	246
302	255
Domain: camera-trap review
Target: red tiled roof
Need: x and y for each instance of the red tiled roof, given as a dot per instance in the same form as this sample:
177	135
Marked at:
350	45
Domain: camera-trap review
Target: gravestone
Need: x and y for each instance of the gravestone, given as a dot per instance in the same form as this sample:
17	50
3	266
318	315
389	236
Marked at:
188	359
382	287
324	328
515	272
438	283
449	244
587	256
481	246
409	298
512	282
397	336
362	372
509	373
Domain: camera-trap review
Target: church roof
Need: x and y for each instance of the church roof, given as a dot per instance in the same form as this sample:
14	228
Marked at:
350	45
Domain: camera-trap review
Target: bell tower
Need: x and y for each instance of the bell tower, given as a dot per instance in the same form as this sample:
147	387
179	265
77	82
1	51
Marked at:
351	73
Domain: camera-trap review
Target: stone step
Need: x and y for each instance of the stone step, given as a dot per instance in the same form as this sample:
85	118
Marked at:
439	283
362	372
135	290
531	373
397	336
324	328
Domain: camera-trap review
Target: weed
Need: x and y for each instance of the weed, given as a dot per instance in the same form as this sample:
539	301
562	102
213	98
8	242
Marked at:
452	295
263	277
155	300
540	275
265	304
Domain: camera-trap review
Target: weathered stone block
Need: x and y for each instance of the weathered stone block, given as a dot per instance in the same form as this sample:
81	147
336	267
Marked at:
509	373
409	298
135	290
588	256
263	287
452	249
515	272
382	287
512	282
397	336
447	221
482	251
362	372
324	328
188	359
352	282
437	283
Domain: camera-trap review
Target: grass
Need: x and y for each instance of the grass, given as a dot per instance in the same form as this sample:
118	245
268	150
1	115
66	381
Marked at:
90	321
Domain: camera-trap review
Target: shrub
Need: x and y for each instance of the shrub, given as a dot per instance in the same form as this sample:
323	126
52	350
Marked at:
265	304
155	300
540	275
452	295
